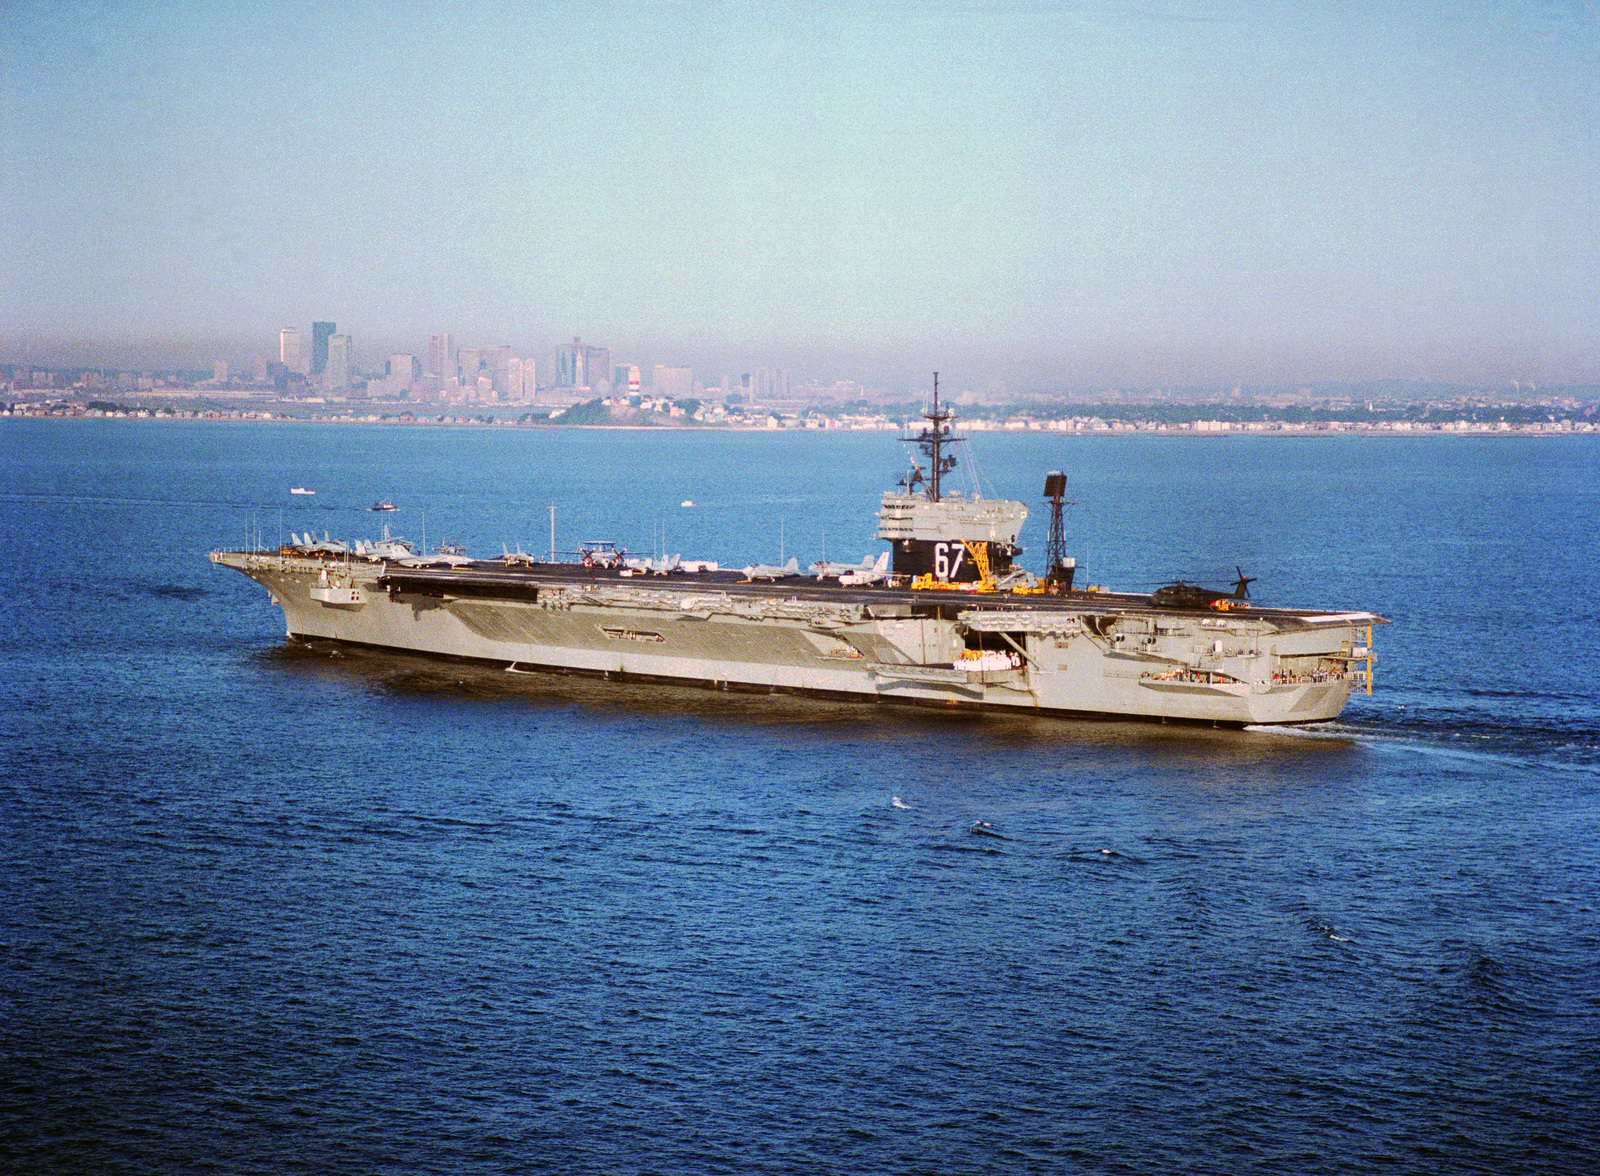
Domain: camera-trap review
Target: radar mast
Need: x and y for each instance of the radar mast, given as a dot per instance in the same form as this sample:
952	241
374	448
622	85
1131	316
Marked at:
932	441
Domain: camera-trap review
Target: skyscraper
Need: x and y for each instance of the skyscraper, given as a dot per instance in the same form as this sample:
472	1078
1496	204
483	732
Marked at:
497	366
597	367
520	383
289	350
336	361
674	383
441	357
320	334
770	385
571	363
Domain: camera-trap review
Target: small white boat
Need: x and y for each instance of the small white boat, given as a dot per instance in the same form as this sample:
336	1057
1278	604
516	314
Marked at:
385	504
300	490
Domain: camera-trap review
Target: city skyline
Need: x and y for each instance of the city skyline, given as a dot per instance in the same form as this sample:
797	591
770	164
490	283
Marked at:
1044	194
553	372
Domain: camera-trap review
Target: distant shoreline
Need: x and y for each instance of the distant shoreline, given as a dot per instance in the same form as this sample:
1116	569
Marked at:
1134	428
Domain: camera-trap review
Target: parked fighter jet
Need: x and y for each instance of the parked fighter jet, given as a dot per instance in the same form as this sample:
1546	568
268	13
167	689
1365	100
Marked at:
518	556
830	570
326	546
655	567
448	554
867	575
389	547
768	572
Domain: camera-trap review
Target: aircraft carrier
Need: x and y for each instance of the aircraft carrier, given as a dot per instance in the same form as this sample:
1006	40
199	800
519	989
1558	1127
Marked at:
953	623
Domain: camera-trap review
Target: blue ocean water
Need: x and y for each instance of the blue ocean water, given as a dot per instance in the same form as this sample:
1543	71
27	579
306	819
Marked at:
267	908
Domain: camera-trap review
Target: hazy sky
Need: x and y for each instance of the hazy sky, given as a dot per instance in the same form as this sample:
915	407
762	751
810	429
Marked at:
1129	192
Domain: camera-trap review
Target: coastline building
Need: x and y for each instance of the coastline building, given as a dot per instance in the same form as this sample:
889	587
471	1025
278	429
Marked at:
289	350
469	362
578	366
403	371
336	363
520	386
597	366
441	357
572	365
497	366
770	384
321	333
403	368
674	383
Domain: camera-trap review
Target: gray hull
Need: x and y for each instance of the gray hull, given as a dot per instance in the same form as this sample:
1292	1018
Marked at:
1088	654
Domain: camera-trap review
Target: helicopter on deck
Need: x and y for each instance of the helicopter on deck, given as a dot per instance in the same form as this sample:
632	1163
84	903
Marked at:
1179	594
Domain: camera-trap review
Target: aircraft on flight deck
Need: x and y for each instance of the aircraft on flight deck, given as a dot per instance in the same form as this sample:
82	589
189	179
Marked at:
867	575
655	567
829	570
1181	595
769	572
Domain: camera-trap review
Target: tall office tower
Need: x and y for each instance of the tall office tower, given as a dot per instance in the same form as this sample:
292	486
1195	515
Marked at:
771	384
402	368
441	357
336	364
672	382
289	350
497	366
513	391
468	361
633	377
320	334
597	366
572	371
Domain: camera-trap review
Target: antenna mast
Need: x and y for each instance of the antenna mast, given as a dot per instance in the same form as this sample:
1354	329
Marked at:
933	439
1058	568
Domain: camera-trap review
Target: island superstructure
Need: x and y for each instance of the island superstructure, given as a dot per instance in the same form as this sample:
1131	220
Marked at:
955	624
950	537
